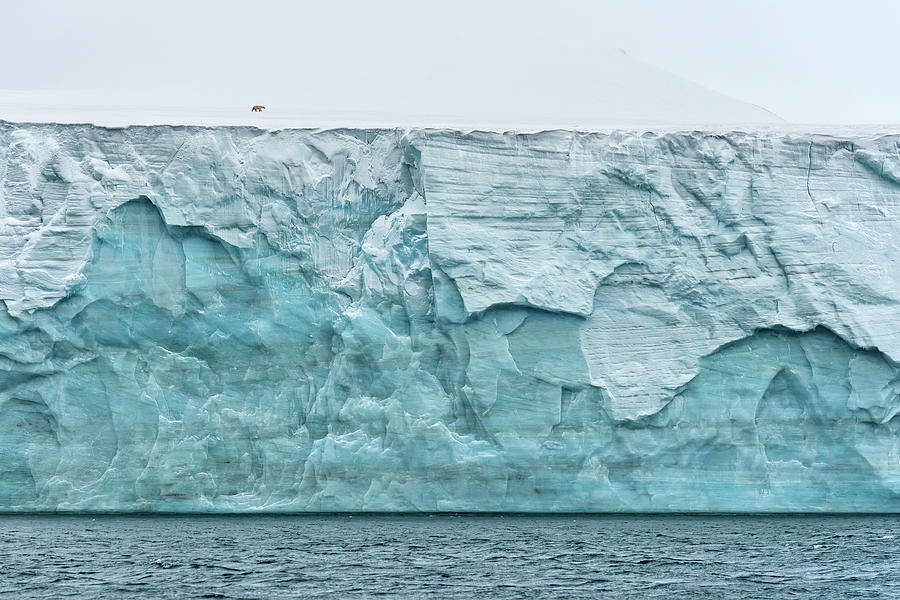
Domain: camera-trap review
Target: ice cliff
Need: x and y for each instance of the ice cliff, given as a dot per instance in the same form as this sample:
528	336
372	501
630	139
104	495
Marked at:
228	319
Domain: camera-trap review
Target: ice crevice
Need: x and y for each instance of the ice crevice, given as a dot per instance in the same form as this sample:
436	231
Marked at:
226	319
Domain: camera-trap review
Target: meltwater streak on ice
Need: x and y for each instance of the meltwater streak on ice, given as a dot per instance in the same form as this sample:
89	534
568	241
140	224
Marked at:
449	557
230	320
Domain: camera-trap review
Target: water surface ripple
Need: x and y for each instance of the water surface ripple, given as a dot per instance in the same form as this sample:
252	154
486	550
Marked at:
449	556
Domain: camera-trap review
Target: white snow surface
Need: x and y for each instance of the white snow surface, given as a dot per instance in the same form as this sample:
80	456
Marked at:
620	93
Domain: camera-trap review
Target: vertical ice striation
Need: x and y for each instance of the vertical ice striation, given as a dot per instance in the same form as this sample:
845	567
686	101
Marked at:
228	319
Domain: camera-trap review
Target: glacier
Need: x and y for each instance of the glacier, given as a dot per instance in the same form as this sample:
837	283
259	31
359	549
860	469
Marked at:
228	319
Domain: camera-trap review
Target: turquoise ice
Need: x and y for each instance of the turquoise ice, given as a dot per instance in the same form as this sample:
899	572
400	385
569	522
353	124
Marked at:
228	319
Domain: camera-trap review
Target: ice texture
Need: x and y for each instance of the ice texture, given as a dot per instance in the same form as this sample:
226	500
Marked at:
234	320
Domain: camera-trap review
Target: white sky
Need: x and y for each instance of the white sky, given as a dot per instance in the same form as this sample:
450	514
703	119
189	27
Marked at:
808	61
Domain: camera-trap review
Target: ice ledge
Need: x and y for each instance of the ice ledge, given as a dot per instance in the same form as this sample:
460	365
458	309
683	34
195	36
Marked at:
138	117
666	245
239	320
670	245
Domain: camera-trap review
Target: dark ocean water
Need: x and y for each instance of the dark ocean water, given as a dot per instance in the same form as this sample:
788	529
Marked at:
342	556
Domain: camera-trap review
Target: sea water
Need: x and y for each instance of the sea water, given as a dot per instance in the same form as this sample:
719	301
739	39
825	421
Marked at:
449	556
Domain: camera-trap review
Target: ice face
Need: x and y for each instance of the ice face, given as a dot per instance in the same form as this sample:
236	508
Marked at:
235	320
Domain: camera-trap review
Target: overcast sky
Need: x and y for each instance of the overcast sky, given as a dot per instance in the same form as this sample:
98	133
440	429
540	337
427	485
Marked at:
808	61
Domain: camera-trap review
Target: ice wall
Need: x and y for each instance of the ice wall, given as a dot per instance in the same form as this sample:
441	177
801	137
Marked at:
235	320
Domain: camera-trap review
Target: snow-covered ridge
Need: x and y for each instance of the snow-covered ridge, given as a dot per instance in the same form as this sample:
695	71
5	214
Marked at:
238	319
